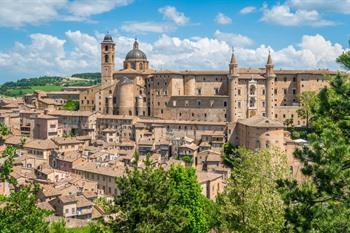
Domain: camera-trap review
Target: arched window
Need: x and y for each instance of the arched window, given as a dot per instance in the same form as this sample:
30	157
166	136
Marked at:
252	102
252	90
106	59
106	48
141	66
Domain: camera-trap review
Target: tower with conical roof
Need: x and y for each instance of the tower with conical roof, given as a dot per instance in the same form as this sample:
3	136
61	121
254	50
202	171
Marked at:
270	88
232	87
107	59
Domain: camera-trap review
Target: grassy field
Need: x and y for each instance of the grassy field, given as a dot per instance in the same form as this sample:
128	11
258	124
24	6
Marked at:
19	91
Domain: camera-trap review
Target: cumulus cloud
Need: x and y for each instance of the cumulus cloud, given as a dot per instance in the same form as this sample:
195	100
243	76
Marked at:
284	15
79	52
22	12
143	27
171	13
222	19
247	10
339	6
86	8
235	40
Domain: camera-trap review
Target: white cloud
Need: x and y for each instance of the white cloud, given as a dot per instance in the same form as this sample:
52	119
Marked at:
22	12
86	8
142	27
222	19
170	12
340	6
235	40
247	10
47	54
284	15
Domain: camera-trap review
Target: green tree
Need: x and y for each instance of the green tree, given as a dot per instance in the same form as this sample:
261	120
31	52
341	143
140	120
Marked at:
71	105
18	211
4	130
321	203
251	201
58	227
307	100
344	60
155	200
231	157
187	159
20	214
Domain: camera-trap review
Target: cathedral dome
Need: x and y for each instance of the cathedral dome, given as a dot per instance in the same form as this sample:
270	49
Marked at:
136	53
107	38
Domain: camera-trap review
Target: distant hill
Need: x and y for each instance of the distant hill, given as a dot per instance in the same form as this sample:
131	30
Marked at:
48	83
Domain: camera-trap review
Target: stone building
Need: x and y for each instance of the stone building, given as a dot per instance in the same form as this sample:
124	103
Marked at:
209	96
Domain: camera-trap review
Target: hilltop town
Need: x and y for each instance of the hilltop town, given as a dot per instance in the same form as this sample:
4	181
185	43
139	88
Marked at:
171	117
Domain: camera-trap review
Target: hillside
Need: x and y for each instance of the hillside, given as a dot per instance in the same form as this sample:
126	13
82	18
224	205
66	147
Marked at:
48	83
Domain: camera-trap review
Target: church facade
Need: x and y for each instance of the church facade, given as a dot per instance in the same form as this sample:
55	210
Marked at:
207	96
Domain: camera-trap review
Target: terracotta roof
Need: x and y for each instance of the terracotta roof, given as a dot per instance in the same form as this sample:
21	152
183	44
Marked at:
117	117
261	122
14	140
45	206
91	167
214	156
70	113
65	141
204	144
203	177
191	146
40	144
82	201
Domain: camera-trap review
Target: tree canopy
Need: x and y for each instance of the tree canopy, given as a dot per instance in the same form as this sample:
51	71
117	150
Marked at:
18	212
251	202
157	200
71	105
321	203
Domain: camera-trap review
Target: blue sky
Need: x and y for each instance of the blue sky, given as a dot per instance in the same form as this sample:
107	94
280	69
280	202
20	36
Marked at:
61	37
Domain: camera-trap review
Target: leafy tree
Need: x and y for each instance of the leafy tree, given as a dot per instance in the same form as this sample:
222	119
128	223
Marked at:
155	200
230	155
321	203
307	100
58	227
344	60
4	130
251	202
71	105
187	159
20	214
18	211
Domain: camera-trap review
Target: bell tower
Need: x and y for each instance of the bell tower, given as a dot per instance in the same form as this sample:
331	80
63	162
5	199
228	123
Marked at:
270	88
232	83
107	59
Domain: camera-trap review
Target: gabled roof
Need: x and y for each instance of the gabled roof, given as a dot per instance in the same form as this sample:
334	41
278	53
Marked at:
40	144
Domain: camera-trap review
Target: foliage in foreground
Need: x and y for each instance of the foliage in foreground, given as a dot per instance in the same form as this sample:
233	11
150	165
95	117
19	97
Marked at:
251	202
155	200
321	204
18	212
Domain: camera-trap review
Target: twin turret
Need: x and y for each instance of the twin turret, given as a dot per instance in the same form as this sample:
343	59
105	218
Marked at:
233	84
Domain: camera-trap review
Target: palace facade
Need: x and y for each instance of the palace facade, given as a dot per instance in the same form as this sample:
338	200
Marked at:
212	96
